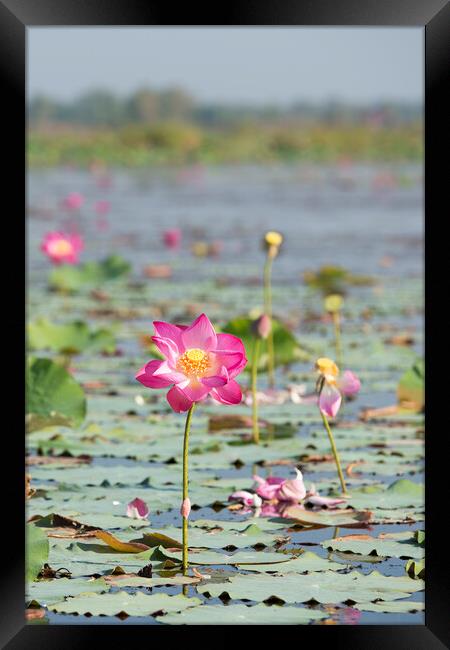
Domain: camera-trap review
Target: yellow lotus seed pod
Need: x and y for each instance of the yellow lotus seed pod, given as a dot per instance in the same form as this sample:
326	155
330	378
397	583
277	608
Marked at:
327	366
333	302
273	238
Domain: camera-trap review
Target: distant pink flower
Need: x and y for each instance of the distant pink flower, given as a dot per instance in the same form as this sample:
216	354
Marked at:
102	223
247	498
104	181
172	238
198	362
73	201
102	207
332	387
280	489
350	615
62	248
137	509
185	508
349	384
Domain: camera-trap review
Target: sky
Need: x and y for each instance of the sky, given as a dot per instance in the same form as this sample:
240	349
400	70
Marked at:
231	65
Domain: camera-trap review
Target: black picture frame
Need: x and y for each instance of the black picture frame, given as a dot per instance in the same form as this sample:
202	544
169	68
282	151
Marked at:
434	16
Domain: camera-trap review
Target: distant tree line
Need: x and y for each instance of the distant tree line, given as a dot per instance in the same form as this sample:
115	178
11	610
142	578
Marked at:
146	106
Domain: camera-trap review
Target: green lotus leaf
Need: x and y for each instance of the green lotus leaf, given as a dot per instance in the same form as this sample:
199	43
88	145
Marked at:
52	396
69	338
37	550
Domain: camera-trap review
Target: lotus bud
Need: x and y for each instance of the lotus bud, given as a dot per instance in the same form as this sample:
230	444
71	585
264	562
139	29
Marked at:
185	508
262	326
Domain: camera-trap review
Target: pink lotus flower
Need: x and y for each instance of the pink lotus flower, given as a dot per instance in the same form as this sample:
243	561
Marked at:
280	489
73	201
60	247
247	498
102	207
172	238
137	509
198	362
332	387
268	488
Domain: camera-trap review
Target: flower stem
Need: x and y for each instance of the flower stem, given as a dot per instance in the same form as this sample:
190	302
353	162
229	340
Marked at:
337	337
255	358
187	429
335	453
268	311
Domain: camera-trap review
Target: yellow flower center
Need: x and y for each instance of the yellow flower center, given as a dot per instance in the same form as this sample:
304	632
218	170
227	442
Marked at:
61	247
194	362
327	368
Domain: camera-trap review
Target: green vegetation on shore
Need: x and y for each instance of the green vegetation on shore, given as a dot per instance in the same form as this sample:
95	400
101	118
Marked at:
178	143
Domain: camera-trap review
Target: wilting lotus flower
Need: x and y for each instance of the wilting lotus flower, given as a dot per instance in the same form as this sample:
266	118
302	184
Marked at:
292	489
313	498
331	387
172	238
280	489
198	362
137	509
268	488
247	498
62	248
73	201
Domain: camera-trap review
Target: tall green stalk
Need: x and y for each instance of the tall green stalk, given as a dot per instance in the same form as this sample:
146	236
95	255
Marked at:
335	453
268	311
255	359
187	429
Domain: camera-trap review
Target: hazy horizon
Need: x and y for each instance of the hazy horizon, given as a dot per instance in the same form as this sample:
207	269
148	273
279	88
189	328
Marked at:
232	65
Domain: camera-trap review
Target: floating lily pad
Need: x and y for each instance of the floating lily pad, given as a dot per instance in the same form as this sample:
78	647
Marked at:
402	545
328	587
46	592
347	517
243	615
132	604
396	607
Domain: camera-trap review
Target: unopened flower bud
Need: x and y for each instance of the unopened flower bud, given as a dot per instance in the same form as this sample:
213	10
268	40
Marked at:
185	508
262	326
